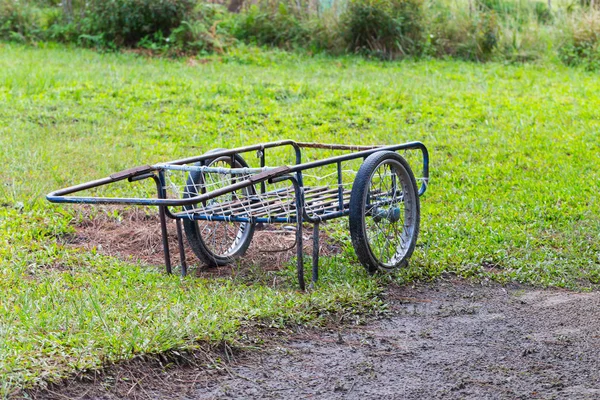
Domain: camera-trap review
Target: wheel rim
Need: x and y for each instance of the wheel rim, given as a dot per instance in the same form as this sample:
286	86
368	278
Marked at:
389	214
223	239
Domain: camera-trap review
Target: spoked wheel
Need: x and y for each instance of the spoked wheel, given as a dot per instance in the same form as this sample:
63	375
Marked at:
384	212
217	243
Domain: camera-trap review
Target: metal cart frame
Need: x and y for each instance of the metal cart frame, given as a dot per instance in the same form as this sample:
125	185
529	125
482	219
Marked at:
243	178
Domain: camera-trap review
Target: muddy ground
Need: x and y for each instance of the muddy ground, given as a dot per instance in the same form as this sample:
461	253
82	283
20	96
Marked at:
447	340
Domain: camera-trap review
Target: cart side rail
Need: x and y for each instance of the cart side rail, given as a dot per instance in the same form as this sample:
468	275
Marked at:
257	175
367	152
62	195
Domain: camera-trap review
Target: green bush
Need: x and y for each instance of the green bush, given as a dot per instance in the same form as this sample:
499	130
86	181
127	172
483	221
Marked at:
264	24
463	35
18	21
388	28
29	20
127	22
582	46
325	33
206	32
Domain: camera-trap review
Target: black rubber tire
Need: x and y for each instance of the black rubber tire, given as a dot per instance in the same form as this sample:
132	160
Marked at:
192	229
358	211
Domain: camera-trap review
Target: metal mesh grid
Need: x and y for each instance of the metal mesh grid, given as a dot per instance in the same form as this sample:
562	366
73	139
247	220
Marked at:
321	187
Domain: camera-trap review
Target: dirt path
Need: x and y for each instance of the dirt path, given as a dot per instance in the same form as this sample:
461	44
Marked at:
450	340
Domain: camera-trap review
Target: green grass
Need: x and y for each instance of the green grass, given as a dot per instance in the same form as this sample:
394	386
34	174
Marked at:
515	186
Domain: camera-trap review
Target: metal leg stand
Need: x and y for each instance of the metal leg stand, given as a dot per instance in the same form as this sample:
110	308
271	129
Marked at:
165	239
299	214
315	255
299	255
181	249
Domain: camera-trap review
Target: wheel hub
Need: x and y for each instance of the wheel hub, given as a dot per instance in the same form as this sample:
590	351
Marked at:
392	214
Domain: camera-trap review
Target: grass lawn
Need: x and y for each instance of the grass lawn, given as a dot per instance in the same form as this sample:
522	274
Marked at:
514	191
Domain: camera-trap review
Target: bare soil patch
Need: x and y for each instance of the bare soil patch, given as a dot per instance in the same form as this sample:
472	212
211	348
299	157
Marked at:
451	340
134	235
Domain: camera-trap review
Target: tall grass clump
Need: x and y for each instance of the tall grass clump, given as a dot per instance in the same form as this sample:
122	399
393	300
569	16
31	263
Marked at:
462	33
279	24
385	28
325	32
527	28
482	30
582	41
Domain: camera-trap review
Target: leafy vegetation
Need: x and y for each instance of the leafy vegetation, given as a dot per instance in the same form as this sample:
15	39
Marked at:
127	22
582	46
385	27
478	30
513	195
274	25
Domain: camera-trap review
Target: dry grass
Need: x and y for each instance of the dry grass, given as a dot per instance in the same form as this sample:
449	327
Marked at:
134	235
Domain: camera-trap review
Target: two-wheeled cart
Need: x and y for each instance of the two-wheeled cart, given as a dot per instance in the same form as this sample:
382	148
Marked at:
221	199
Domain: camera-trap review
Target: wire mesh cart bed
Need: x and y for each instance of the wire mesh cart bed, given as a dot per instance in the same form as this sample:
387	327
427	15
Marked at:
220	199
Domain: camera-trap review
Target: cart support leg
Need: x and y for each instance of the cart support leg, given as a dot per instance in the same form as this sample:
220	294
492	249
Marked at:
165	239
299	213
315	255
162	213
181	249
299	255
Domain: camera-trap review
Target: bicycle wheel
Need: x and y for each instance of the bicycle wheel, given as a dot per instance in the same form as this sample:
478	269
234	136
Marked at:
384	212
217	243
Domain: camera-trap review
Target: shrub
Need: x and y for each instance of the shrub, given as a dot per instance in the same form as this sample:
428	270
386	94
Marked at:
276	25
526	43
325	33
582	45
35	20
127	22
18	21
205	32
388	28
463	35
